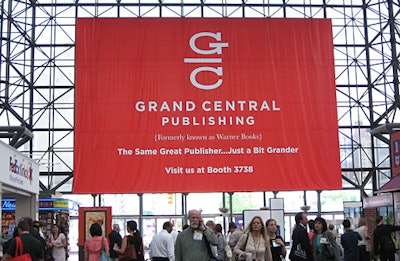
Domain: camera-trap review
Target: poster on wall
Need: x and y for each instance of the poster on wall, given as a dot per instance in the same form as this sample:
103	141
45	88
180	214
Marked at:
205	105
91	215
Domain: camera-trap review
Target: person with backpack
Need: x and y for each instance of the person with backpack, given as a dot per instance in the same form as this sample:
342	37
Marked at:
384	243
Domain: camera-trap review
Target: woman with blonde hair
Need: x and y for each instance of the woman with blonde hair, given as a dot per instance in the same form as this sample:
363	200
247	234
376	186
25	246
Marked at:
278	248
364	247
254	242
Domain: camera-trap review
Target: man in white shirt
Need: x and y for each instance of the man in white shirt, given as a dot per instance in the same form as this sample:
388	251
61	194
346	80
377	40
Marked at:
162	245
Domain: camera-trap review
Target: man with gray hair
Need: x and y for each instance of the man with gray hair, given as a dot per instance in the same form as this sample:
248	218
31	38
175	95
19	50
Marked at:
115	238
194	242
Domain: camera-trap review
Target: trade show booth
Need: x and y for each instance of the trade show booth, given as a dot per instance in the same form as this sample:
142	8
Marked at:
51	211
19	180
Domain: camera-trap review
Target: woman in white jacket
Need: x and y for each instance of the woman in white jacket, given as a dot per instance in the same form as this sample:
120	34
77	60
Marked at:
254	242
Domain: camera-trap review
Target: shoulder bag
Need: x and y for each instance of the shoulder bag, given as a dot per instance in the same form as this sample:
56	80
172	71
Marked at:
130	252
299	253
103	255
19	250
328	249
243	248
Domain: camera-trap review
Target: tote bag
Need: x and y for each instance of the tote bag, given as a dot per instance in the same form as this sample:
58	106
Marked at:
130	252
19	249
299	253
103	255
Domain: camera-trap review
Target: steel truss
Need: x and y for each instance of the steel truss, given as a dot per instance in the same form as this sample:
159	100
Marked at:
37	74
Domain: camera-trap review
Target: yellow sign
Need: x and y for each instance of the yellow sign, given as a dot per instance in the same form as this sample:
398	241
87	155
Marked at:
60	204
170	199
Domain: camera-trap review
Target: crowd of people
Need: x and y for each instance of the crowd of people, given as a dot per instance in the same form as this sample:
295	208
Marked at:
198	241
30	237
312	240
205	241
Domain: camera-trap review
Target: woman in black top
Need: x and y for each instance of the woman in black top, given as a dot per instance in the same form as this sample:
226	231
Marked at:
278	248
133	238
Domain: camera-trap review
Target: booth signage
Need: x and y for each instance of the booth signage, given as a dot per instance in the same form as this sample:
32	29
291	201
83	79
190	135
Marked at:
205	105
18	170
8	204
45	204
60	204
378	201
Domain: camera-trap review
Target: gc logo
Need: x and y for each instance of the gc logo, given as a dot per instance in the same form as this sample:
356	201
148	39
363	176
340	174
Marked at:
216	48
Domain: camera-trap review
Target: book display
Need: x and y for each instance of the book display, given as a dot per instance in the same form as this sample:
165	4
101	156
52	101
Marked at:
51	211
7	219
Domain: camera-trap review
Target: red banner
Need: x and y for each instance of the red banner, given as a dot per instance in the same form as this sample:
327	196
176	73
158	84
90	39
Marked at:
205	105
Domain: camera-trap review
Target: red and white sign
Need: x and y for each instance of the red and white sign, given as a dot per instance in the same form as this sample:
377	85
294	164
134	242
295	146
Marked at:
18	170
205	105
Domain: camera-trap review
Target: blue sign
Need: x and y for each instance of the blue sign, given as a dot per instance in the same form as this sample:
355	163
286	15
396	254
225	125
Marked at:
8	204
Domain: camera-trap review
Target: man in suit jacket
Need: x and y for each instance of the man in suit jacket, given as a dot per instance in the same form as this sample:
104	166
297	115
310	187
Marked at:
301	246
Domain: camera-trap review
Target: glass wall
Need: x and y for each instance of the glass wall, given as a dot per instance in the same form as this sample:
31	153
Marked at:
37	91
